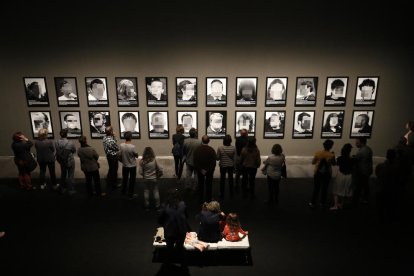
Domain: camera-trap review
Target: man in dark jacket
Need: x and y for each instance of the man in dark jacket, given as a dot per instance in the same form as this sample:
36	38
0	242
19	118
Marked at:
204	164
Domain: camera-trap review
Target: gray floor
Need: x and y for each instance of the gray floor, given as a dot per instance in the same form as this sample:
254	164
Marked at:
51	234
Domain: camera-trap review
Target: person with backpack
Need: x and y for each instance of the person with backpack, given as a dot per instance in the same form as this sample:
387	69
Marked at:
323	161
64	155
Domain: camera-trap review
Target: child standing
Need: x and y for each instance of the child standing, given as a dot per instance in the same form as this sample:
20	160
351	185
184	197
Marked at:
233	229
150	170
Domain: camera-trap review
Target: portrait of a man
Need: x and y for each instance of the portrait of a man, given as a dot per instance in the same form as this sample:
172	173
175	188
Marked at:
188	119
274	124
158	124
66	91
303	124
361	125
39	120
98	122
126	91
336	88
129	121
367	90
186	91
36	91
71	121
157	94
216	122
97	93
216	91
306	88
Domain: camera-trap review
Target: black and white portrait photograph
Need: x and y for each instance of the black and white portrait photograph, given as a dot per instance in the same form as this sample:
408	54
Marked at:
276	91
188	119
361	125
97	91
127	91
71	120
245	120
306	88
303	122
41	120
332	123
66	91
36	91
98	120
129	121
186	91
246	89
216	124
158	124
336	88
157	94
366	91
216	91
274	124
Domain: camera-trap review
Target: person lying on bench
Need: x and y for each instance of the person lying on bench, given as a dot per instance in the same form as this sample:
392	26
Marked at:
191	239
232	229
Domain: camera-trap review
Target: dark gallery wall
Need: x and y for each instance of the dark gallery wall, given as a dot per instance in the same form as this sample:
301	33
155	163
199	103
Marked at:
208	39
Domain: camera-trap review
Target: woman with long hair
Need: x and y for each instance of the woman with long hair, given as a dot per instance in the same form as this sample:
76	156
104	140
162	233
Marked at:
150	171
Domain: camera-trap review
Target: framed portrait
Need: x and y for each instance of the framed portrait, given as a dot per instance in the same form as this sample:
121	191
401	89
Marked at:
216	124
129	121
188	119
276	91
98	120
336	88
39	120
332	123
186	91
66	91
303	124
274	124
306	90
216	89
96	91
158	124
361	125
127	91
157	91
36	91
366	91
246	91
245	120
71	120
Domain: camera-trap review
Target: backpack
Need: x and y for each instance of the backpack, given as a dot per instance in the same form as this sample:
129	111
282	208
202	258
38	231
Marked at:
177	150
323	168
63	155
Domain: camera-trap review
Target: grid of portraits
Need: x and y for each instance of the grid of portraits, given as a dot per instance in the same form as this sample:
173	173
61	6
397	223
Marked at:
246	93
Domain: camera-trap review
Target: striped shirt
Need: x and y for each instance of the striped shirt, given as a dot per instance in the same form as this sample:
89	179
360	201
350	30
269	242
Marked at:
226	154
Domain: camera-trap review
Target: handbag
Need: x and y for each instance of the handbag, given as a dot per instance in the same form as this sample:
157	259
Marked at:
31	163
158	171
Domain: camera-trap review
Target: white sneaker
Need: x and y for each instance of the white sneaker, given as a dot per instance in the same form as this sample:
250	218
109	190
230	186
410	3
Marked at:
56	186
42	187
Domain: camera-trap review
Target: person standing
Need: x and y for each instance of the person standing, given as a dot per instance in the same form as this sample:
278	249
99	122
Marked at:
323	161
177	150
241	142
149	169
190	145
205	163
225	155
362	171
273	169
90	167
21	148
67	166
46	158
250	160
129	165
111	150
